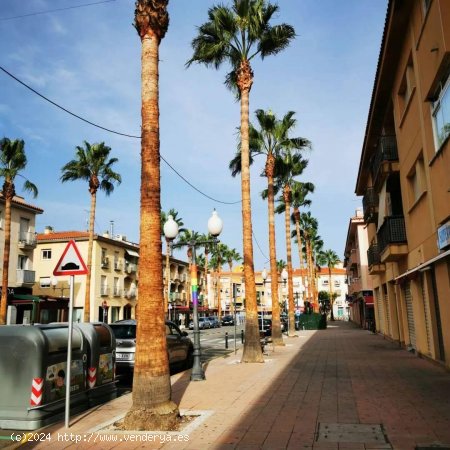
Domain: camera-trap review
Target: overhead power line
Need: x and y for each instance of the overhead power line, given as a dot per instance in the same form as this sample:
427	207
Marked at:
55	10
114	132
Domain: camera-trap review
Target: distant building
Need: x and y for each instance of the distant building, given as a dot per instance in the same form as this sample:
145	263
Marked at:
404	178
360	294
21	274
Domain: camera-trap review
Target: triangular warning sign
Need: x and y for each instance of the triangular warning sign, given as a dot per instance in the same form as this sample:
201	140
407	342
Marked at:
71	262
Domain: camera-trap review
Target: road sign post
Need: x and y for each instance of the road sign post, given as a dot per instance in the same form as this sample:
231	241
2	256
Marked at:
71	263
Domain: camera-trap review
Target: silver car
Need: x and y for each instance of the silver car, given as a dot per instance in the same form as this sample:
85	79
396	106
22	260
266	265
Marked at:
179	346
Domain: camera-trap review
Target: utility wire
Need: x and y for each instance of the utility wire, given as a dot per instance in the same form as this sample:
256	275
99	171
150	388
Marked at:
257	244
55	10
114	132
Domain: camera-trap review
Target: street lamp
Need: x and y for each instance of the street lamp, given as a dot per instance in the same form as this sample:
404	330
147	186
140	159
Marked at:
170	232
264	277
215	226
284	277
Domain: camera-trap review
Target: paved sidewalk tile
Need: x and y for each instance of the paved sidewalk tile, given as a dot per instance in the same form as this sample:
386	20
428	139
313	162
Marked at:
341	375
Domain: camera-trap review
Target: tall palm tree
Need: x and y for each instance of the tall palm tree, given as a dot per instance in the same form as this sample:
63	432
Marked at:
12	162
270	140
299	192
207	238
92	164
330	259
236	35
231	255
289	166
152	407
308	227
179	221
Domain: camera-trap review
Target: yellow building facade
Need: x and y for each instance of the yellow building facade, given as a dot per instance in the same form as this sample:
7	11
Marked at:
404	178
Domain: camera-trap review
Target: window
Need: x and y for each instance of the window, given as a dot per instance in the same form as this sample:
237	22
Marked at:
441	114
44	282
22	262
46	253
325	282
406	86
416	181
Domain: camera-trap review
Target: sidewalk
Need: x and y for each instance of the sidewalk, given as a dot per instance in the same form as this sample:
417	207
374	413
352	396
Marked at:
340	388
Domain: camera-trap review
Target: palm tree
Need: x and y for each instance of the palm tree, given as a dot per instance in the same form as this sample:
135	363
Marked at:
236	35
152	407
231	255
270	140
207	238
308	227
330	259
12	161
289	166
179	221
91	164
299	192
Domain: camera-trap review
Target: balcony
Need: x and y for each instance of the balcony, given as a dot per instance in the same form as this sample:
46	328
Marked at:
131	268
27	240
104	291
374	260
370	205
117	292
117	266
25	277
385	159
392	242
105	262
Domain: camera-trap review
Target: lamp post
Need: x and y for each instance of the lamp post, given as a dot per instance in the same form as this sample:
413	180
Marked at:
215	226
284	277
264	277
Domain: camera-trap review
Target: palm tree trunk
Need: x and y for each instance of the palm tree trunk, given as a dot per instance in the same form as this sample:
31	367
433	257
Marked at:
206	303
6	252
218	287
87	295
252	352
231	288
287	222
277	336
152	407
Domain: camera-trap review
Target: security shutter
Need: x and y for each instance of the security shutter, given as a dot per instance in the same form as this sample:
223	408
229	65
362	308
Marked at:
410	314
388	318
426	309
380	310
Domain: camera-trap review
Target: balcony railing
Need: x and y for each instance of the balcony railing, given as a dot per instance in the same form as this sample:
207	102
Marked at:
117	265
131	268
104	290
386	151
117	292
370	205
105	262
373	255
25	276
392	231
27	239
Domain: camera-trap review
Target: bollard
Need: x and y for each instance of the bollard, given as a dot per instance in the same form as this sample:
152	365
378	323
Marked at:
226	339
242	336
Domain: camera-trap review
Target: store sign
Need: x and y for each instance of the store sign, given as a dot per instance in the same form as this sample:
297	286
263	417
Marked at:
443	233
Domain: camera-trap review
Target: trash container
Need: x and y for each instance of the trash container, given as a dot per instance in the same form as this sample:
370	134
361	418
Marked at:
33	371
101	358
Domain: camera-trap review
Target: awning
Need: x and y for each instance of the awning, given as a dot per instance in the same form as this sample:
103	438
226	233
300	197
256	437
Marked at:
132	253
31	298
425	264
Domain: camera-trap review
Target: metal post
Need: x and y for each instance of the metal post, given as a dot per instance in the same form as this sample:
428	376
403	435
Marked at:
226	339
242	336
197	373
69	353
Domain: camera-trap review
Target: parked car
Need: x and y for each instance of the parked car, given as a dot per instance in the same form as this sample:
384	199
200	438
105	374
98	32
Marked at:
179	346
227	320
203	323
265	326
214	322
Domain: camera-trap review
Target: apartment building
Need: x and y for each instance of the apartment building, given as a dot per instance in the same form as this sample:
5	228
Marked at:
114	274
359	282
404	178
21	274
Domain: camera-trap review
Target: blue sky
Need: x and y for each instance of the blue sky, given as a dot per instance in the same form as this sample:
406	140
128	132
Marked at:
87	59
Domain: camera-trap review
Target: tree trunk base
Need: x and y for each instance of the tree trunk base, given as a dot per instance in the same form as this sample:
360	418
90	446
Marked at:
252	355
278	342
293	335
165	417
